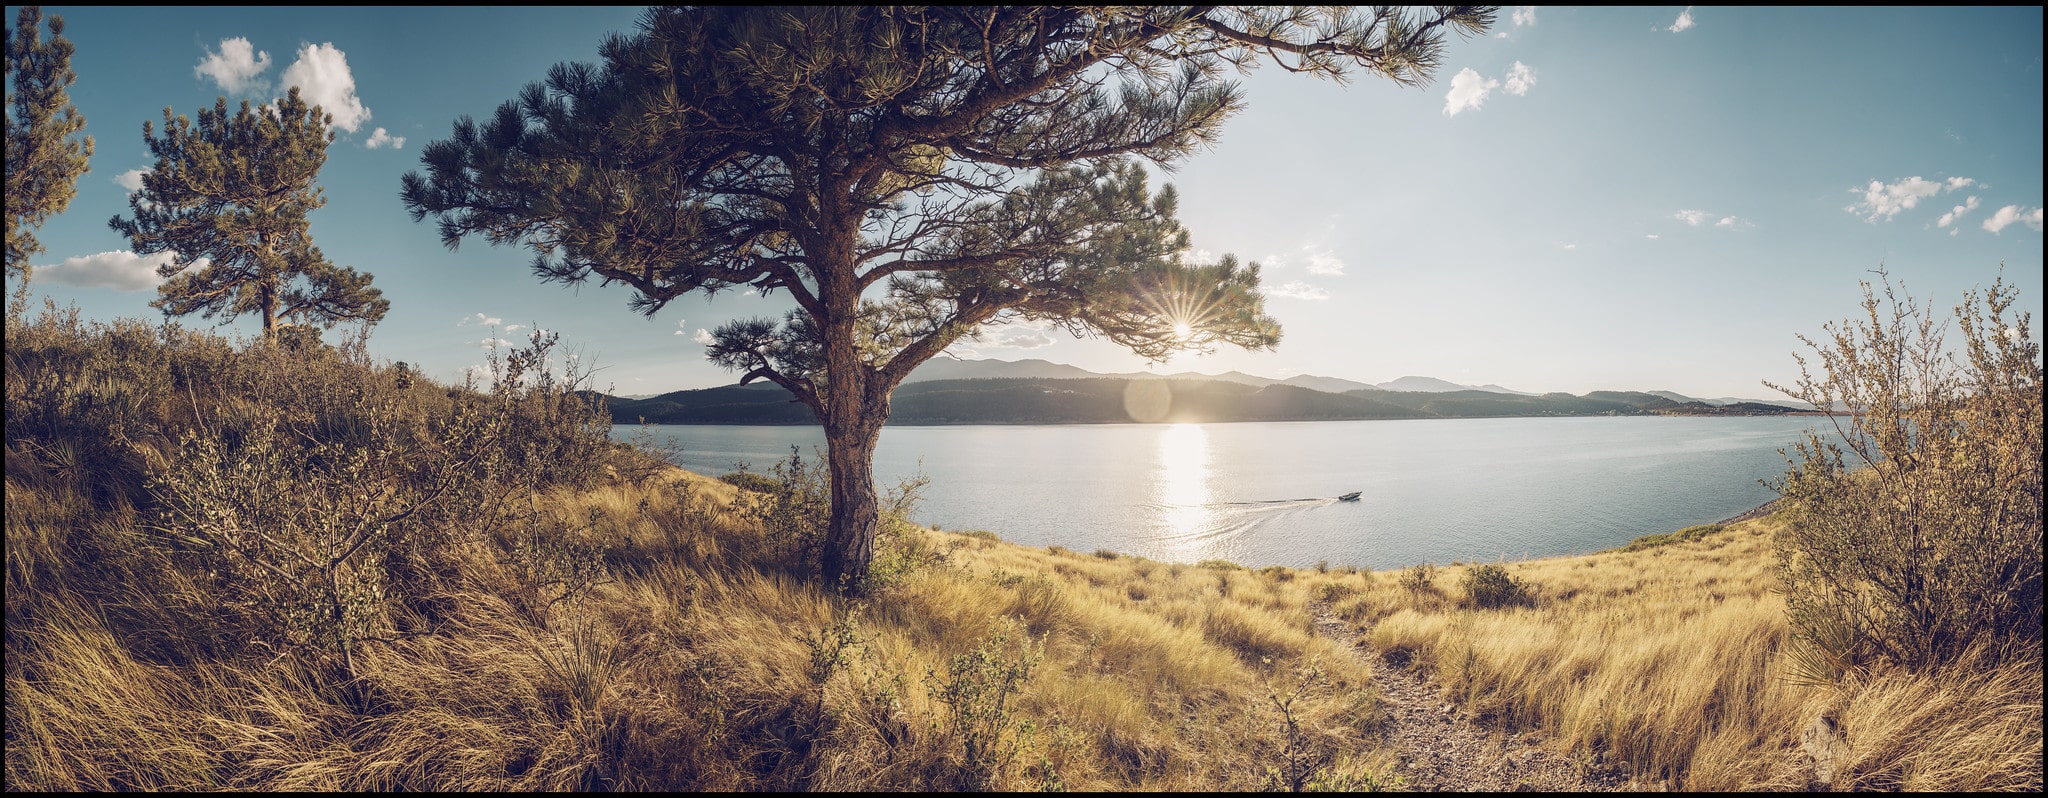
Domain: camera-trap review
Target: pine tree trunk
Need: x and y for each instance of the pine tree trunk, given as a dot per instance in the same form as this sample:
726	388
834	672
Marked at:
269	301
850	537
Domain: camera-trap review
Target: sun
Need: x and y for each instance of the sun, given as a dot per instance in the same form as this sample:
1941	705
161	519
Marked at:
1183	331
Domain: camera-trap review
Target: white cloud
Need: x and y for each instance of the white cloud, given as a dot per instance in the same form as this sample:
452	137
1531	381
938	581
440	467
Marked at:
1468	90
1684	21
1884	201
1297	289
1692	217
2013	213
235	68
131	179
480	319
1520	78
703	336
1726	221
323	78
479	372
1523	15
1652	236
513	327
120	270
495	343
1323	262
379	138
1956	213
1571	246
1203	257
1501	35
1019	338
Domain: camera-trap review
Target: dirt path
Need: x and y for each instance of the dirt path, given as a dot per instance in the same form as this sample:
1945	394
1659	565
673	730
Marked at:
1442	750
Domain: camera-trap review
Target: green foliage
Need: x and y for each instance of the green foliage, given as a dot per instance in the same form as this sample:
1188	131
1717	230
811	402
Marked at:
792	510
1491	587
1332	591
1419	579
556	562
1916	531
977	689
315	499
792	505
910	175
310	522
234	192
1685	535
748	480
44	160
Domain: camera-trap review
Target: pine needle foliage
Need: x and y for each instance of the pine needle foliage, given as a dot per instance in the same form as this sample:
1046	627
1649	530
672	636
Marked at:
45	155
229	195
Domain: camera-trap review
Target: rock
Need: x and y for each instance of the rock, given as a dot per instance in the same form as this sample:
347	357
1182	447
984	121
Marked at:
1826	746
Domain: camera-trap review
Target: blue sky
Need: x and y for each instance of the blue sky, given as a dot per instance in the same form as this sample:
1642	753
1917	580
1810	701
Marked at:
1633	198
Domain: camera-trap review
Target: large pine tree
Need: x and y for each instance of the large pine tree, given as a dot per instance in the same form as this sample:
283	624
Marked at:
907	175
44	160
229	196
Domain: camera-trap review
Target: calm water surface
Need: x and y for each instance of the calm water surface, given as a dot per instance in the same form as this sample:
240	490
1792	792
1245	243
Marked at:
1264	493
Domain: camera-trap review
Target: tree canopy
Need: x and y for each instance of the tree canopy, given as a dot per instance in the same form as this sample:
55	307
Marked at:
45	157
907	175
229	197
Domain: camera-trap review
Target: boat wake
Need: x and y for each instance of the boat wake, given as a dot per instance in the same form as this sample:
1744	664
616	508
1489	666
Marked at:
1219	520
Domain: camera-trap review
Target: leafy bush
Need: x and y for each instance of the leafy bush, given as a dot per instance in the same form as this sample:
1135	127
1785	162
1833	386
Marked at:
312	512
1916	531
748	480
978	690
793	509
1419	578
1491	587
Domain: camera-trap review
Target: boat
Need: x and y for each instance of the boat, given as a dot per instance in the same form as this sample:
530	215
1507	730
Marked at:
1349	497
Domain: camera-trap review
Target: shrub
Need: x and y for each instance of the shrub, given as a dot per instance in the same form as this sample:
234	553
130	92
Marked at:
748	480
313	497
978	690
1419	578
1916	526
1492	587
793	510
1685	535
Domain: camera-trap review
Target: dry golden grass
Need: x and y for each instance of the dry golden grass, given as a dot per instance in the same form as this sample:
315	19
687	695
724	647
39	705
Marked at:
706	660
688	670
1675	660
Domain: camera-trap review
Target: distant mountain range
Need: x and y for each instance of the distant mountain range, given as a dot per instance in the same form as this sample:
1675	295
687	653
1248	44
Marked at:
1039	392
949	369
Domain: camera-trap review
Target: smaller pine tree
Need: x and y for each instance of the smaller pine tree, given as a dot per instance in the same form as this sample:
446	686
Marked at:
229	196
44	160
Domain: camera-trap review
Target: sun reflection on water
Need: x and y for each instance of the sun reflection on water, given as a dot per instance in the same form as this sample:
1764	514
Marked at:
1183	486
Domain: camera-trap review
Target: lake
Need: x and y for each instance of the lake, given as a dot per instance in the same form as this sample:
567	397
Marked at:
1265	493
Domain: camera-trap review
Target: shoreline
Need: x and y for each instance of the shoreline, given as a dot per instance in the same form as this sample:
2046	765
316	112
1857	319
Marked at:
1758	511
